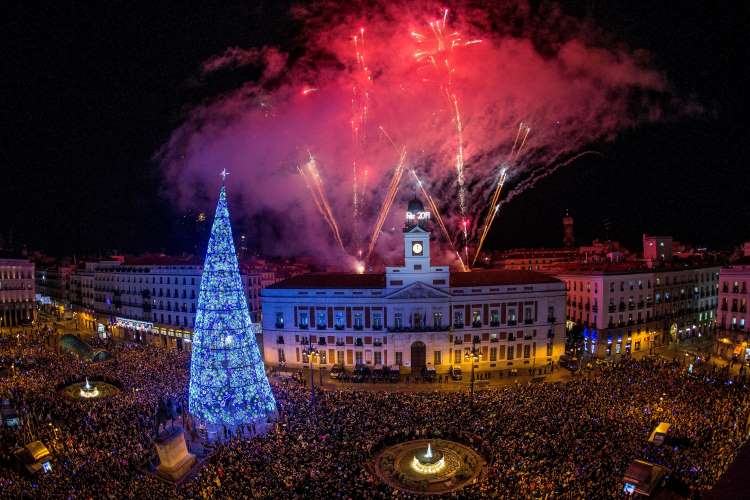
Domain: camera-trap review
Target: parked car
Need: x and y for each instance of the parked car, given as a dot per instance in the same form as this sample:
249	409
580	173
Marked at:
455	373
336	371
429	374
361	373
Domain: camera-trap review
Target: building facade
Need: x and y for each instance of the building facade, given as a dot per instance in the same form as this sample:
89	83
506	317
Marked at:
415	316
17	292
622	309
734	294
146	299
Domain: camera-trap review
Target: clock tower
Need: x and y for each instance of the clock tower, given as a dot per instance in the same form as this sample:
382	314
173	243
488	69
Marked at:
417	237
416	266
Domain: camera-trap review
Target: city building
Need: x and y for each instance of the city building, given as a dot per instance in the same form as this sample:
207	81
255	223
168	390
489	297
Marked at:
623	309
415	316
657	249
149	298
17	292
732	336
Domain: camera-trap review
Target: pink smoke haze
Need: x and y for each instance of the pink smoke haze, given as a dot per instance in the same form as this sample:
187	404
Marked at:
573	92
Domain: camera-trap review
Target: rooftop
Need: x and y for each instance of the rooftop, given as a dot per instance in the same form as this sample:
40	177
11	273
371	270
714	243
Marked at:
377	280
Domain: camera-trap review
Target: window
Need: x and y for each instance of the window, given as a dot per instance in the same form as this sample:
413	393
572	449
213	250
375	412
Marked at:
304	319
493	353
358	323
526	351
377	321
512	317
281	356
378	358
338	320
458	319
494	317
399	358
437	319
457	357
417	267
320	318
528	314
438	357
279	320
398	320
476	318
510	352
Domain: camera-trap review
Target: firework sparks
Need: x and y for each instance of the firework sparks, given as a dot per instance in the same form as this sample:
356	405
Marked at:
436	211
440	56
314	182
388	202
360	106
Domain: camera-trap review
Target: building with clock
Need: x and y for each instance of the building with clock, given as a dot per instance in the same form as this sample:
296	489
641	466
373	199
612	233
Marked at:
415	316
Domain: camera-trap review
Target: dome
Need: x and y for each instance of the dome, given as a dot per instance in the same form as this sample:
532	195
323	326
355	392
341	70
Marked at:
415	206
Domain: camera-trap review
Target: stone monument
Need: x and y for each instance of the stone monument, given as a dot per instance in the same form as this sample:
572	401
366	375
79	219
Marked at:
174	459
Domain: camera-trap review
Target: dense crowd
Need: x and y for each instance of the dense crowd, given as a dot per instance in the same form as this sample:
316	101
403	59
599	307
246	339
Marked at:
563	440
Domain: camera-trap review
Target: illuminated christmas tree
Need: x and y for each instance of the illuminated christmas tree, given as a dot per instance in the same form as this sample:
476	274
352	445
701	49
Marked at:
228	384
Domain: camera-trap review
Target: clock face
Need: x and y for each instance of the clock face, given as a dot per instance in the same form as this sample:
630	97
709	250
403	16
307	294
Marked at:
416	248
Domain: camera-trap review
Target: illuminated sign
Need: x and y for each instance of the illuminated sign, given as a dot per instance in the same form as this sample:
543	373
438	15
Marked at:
131	323
425	215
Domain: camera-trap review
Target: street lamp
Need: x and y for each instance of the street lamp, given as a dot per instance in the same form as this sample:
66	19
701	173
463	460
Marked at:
474	356
311	351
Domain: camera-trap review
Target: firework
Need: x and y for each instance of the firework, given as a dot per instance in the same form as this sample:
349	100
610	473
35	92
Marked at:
440	55
314	182
360	106
439	218
388	202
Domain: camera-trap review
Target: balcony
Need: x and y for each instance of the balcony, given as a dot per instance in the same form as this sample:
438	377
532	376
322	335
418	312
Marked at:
279	325
339	326
631	306
476	324
512	322
377	327
321	327
340	343
377	343
458	341
279	340
322	341
358	327
641	304
551	319
621	307
495	324
528	321
612	308
458	325
511	337
303	326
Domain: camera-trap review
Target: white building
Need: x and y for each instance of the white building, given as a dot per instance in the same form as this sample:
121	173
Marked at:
417	315
16	292
623	308
732	314
149	299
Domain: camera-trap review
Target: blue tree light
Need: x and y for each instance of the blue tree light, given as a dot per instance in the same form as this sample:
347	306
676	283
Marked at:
228	383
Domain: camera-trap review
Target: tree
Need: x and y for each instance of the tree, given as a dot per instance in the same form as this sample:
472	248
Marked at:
228	383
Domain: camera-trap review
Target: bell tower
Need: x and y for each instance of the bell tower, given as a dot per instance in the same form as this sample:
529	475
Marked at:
416	238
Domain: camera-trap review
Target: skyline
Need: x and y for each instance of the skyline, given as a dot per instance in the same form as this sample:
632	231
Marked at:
91	184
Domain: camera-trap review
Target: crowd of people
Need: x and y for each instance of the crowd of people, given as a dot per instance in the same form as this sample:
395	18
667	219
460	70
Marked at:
562	440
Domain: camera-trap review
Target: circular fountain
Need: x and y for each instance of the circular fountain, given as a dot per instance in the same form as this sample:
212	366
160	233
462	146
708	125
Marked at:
88	390
428	467
428	462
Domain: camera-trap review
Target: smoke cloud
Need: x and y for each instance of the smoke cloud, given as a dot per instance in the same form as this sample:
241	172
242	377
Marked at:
343	103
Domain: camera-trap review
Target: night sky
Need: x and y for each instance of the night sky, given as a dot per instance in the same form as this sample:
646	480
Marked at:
89	94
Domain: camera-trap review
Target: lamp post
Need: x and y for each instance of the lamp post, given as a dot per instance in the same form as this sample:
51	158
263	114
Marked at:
474	355
311	352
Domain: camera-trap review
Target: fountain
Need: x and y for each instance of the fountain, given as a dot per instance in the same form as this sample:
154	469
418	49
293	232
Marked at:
428	462
88	390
